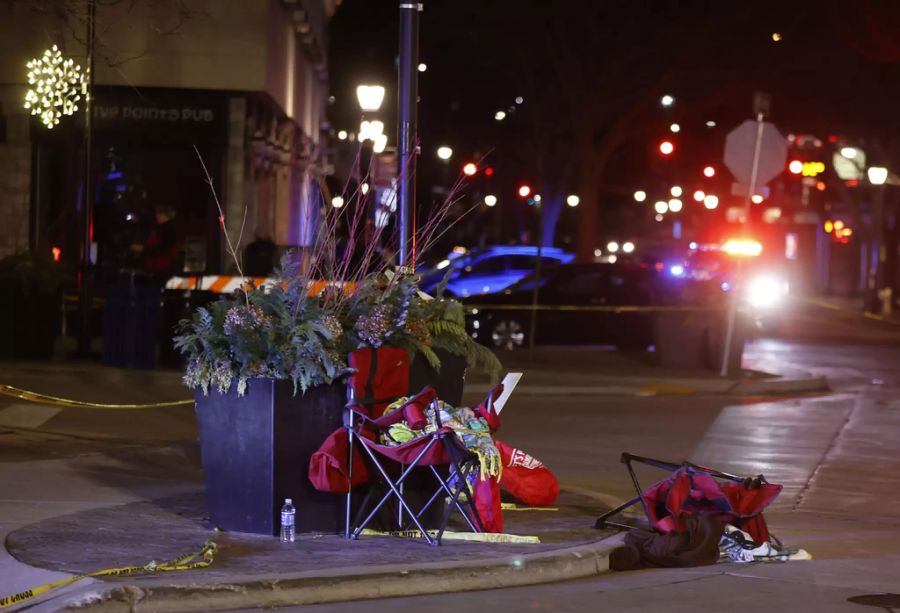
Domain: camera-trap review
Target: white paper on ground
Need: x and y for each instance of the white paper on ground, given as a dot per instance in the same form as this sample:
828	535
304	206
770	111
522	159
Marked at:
509	384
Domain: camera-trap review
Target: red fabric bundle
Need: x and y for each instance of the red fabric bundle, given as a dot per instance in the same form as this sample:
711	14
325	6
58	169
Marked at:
526	478
328	466
487	502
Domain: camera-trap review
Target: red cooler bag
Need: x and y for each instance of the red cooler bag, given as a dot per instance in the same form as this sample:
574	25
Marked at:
526	478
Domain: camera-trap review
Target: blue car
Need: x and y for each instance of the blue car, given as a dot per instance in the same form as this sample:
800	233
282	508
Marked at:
490	270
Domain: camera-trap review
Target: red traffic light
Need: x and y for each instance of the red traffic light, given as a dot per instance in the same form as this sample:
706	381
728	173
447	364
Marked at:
666	147
524	190
489	171
470	169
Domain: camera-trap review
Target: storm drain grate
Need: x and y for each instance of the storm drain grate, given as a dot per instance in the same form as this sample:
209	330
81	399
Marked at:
888	602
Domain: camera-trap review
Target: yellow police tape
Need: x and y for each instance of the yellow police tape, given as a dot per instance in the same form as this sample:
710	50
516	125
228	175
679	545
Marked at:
512	506
198	559
449	535
15	392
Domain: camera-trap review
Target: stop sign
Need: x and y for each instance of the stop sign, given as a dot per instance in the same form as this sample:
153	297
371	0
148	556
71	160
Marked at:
739	152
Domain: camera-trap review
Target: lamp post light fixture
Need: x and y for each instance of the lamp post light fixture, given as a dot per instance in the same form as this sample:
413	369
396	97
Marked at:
628	247
877	174
379	143
710	201
699	195
675	205
444	152
337	202
667	100
500	115
537	198
612	246
490	200
675	128
661	207
640	195
370	97
342	135
423	67
572	200
676	191
849	152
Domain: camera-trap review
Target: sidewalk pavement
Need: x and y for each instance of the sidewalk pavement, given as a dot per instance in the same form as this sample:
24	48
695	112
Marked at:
102	528
597	371
260	571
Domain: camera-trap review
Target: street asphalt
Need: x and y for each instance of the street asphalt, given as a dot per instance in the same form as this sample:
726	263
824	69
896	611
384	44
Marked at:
835	452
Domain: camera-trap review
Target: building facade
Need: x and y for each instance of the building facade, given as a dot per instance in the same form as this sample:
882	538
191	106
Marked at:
240	85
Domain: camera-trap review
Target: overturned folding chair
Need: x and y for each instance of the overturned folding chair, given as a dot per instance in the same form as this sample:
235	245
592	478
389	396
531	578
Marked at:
440	451
695	489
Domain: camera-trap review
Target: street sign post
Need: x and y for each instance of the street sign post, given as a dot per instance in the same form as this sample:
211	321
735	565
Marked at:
755	153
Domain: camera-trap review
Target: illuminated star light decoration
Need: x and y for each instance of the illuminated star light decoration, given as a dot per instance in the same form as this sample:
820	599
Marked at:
57	84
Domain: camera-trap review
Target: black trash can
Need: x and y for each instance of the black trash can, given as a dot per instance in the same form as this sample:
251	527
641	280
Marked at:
682	339
131	322
178	305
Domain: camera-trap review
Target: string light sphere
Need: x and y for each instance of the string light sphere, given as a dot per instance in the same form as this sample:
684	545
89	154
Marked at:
56	86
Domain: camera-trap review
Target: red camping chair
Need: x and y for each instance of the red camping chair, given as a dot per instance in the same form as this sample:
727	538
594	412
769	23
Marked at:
435	450
694	490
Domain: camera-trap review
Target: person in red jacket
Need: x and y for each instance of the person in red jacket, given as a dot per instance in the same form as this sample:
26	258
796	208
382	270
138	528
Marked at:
159	253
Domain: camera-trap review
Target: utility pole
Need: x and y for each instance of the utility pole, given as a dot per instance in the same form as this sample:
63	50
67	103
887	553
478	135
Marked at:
84	276
408	98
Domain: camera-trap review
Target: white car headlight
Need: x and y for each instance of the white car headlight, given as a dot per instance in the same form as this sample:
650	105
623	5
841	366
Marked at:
766	292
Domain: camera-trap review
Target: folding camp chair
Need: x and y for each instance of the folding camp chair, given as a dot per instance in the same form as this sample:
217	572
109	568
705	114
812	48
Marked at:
435	450
695	489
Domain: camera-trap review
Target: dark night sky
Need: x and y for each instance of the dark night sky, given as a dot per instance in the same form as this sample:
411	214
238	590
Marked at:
835	71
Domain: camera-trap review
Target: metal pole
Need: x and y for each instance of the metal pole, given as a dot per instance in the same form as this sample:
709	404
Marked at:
735	295
879	253
537	282
407	98
84	293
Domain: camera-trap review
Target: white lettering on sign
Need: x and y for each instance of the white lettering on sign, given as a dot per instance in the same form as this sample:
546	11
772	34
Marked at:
154	113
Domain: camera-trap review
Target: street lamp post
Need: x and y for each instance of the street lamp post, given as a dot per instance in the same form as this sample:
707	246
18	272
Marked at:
408	96
878	256
84	287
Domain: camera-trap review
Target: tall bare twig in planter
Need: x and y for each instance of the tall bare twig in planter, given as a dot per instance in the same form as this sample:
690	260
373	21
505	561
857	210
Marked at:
230	248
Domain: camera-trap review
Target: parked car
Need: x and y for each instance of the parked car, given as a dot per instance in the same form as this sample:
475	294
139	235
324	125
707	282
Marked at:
489	270
565	315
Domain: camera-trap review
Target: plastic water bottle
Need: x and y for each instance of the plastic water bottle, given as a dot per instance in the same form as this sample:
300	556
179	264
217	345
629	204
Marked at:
287	521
